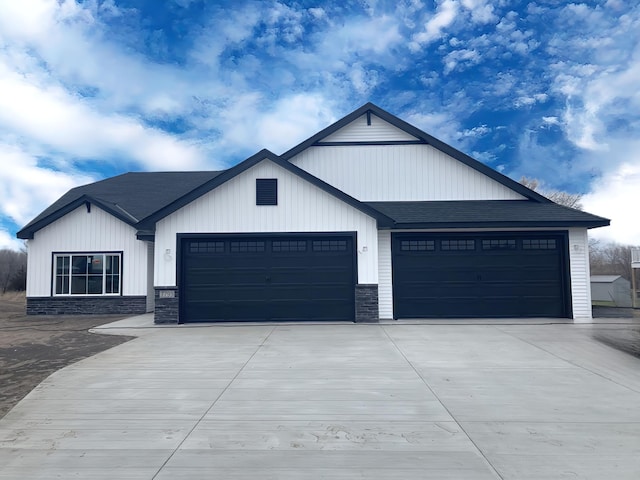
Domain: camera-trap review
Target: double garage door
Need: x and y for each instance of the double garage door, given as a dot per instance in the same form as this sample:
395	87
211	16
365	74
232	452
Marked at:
480	275
267	278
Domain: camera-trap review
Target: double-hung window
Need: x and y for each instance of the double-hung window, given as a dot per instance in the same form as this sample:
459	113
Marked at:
87	274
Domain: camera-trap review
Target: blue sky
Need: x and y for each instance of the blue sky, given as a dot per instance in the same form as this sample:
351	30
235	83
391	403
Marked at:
90	89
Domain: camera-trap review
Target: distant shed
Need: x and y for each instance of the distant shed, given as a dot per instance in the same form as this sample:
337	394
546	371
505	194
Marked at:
610	290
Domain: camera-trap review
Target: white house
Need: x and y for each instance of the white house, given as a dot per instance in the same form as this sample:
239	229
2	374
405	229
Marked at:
369	219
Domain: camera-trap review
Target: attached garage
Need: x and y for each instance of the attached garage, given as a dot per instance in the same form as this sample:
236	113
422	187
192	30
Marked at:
502	274
267	277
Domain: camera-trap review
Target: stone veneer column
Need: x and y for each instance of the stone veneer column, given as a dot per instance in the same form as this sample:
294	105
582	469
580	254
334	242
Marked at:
166	305
367	303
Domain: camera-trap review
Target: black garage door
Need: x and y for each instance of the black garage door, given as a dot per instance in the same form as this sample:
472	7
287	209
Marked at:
488	275
275	278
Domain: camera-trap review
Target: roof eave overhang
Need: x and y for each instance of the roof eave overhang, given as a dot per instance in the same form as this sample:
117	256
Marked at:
484	225
29	231
146	235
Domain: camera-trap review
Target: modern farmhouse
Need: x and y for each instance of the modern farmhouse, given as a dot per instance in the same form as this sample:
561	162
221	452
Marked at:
369	219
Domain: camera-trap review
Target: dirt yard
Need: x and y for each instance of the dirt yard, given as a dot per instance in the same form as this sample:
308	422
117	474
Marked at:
32	348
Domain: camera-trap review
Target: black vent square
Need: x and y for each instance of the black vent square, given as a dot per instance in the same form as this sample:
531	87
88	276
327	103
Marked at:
266	191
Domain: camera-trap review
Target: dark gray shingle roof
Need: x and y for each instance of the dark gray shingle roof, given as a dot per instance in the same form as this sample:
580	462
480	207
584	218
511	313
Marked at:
485	213
134	195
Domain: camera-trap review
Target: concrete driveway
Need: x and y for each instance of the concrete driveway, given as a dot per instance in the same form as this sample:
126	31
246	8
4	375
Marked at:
340	401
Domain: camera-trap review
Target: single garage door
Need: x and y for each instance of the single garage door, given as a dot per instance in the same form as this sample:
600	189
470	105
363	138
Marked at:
488	275
267	278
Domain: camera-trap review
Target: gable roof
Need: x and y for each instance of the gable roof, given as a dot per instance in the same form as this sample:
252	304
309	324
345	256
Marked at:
148	222
606	278
423	137
129	197
485	214
142	198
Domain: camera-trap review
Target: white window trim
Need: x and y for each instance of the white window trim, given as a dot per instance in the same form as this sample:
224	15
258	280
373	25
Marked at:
104	274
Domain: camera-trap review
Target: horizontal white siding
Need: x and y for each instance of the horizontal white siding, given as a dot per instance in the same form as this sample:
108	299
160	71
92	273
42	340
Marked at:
400	173
385	285
580	274
82	231
359	131
231	208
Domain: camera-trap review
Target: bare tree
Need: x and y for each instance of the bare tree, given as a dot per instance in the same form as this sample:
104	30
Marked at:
610	259
571	200
13	266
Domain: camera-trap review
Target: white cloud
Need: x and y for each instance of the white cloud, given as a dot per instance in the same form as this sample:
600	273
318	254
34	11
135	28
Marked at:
8	241
527	101
616	196
598	74
445	15
582	127
317	13
375	35
481	10
27	188
455	59
64	41
363	80
51	116
551	120
441	125
478	131
278	128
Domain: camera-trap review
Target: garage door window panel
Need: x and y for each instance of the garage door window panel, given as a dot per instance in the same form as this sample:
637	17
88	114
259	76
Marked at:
329	245
499	244
206	247
539	244
247	246
457	245
418	245
289	246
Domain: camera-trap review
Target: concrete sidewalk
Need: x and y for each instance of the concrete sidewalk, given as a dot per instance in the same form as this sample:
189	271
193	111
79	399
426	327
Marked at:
335	401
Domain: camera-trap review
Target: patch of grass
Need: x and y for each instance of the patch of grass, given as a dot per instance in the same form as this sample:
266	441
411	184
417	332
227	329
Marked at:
602	303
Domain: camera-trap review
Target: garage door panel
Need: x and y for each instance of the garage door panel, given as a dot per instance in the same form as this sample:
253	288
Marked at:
481	275
439	307
268	278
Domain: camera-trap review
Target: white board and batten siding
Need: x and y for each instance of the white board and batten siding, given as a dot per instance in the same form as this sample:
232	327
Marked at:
151	301
377	131
399	173
231	208
580	274
385	285
82	231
